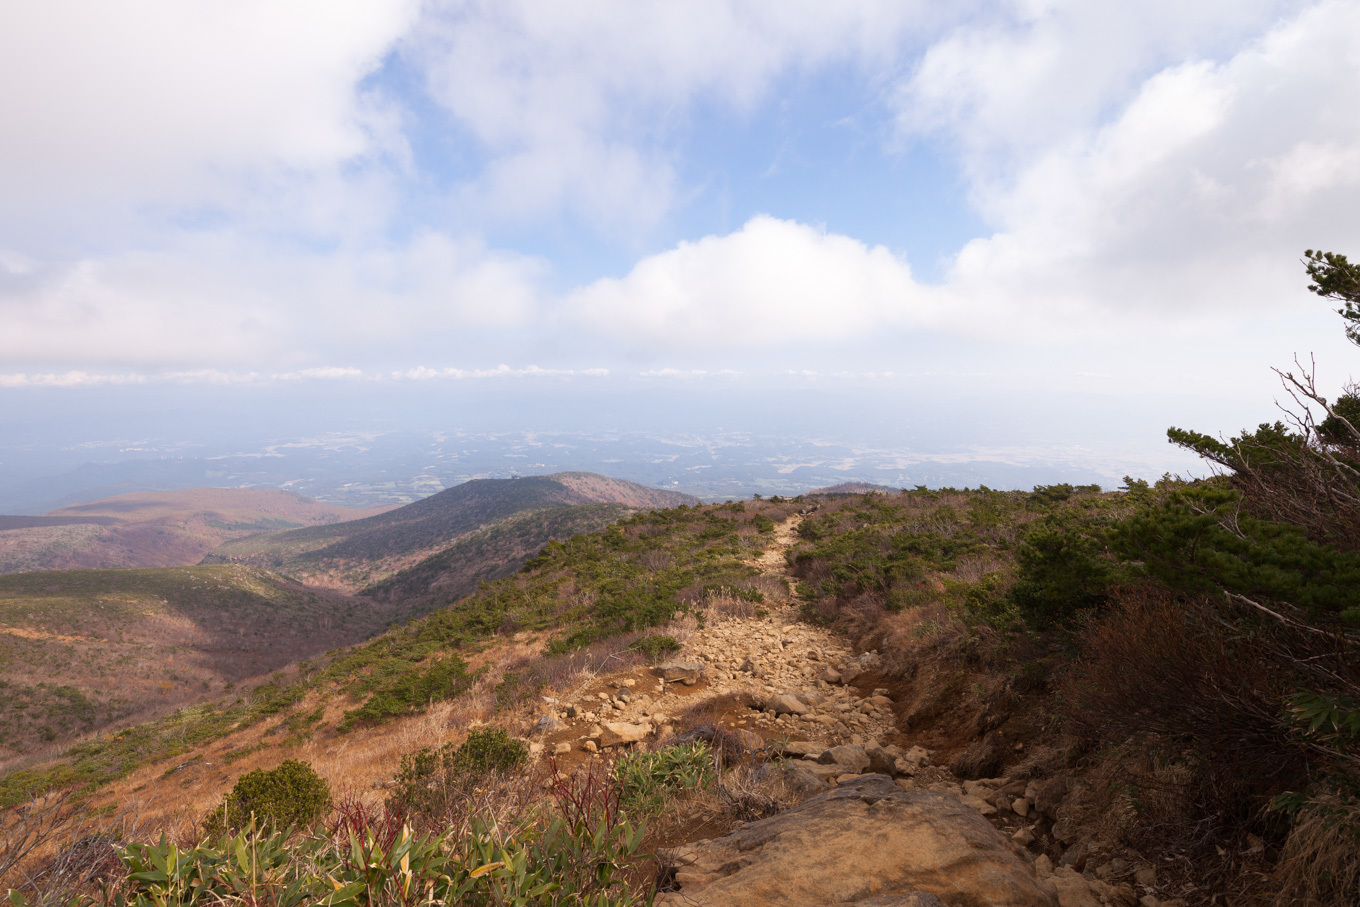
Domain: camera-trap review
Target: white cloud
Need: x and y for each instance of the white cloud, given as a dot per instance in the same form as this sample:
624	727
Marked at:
577	103
223	299
1195	200
1026	76
1192	197
66	379
690	374
772	282
322	373
72	379
170	102
422	373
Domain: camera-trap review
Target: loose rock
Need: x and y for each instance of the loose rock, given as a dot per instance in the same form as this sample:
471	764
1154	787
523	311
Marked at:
687	672
874	845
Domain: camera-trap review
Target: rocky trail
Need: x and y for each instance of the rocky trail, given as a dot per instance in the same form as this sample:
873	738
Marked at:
881	826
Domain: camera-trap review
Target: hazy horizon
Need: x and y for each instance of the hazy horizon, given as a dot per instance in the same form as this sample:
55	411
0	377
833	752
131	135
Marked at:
993	243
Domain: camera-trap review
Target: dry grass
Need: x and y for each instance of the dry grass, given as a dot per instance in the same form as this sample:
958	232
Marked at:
51	850
973	569
1319	865
364	759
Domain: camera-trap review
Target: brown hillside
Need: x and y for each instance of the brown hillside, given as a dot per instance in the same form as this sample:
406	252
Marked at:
154	529
82	649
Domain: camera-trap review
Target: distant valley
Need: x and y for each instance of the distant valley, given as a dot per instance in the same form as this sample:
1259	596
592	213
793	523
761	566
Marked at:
155	528
84	649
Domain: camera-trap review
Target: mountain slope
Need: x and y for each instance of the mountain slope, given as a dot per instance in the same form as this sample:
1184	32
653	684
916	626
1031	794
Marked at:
153	529
80	649
488	554
362	553
633	575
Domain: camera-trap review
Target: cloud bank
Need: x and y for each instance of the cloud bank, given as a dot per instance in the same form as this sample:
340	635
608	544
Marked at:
186	190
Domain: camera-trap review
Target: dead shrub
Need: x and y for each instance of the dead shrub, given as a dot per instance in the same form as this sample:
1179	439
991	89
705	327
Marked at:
931	632
714	710
51	850
861	616
655	559
973	569
1203	700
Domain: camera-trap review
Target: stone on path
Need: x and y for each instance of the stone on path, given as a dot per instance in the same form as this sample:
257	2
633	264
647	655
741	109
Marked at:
687	672
618	733
867	843
786	704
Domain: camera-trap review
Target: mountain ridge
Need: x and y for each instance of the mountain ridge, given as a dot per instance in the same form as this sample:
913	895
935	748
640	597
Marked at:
362	553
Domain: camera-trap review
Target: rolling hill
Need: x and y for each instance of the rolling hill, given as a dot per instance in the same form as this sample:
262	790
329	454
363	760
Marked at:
153	529
81	649
855	488
366	553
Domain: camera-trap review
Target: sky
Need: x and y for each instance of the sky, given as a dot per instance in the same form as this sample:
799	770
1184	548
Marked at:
1074	208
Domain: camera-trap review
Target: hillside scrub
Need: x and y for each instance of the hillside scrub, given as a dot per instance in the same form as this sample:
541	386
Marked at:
82	650
1196	639
612	584
370	552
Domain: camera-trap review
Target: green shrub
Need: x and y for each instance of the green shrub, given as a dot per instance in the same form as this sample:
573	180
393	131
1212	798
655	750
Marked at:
431	781
1197	538
985	602
410	690
905	598
543	862
646	780
489	749
655	646
1062	572
292	795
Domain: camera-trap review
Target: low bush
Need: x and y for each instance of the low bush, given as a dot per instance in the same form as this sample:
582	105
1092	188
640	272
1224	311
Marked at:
432	782
1063	571
551	861
647	780
411	691
655	647
292	795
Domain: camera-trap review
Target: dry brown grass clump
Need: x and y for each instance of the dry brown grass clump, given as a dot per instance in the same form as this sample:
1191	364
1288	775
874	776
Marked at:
1319	864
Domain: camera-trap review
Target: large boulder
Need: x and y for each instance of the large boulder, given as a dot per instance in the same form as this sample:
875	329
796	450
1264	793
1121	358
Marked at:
619	733
786	704
881	761
801	748
853	760
868	843
687	672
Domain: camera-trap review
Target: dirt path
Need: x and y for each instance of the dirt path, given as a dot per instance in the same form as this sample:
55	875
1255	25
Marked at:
745	656
772	678
773	561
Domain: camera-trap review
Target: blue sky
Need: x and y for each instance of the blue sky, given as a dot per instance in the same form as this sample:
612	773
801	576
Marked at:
1042	197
